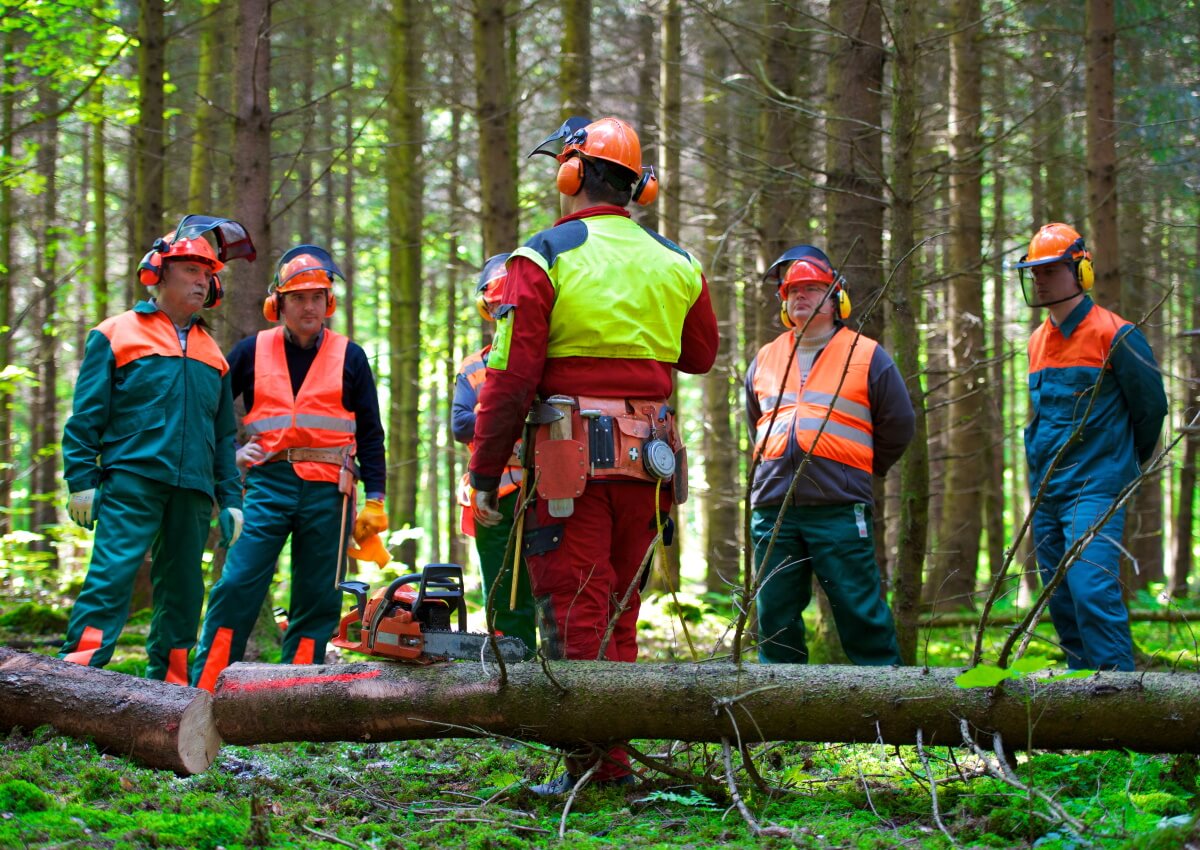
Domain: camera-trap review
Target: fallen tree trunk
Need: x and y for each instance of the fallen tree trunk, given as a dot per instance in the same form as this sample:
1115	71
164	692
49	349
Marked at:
967	619
600	701
163	726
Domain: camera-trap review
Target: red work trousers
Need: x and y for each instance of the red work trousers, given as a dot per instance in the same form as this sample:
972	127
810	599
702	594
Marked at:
579	585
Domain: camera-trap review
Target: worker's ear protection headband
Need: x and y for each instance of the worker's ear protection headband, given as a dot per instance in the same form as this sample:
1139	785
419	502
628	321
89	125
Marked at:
323	263
232	243
570	180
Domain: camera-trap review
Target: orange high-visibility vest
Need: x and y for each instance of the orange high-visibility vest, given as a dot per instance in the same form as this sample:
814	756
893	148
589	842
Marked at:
847	435
474	369
315	417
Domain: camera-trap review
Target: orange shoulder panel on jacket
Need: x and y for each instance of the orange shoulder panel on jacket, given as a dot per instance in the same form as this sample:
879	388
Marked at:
134	335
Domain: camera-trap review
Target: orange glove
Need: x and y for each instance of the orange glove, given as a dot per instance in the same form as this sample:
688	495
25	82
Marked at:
371	520
371	549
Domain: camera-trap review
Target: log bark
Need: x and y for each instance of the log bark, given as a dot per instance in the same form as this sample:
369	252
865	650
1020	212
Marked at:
604	701
956	619
168	727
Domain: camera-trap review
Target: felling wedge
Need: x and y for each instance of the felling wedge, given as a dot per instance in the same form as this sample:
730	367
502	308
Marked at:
414	626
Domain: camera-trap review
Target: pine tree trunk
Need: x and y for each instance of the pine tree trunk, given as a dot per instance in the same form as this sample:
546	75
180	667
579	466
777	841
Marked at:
497	122
904	301
953	575
7	278
372	701
1102	151
200	174
457	275
405	210
251	182
575	74
150	132
1185	517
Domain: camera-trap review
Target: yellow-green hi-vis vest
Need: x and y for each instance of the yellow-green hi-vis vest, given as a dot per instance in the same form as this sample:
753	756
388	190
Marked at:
620	290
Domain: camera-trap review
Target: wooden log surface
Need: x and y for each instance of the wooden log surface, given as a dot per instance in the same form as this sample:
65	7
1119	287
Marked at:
380	701
162	726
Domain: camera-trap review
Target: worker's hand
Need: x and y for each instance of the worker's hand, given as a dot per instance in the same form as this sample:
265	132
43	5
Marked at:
80	508
487	508
250	454
230	521
371	520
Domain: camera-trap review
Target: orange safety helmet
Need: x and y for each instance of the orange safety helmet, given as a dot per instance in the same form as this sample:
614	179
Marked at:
608	139
187	242
1058	243
300	268
490	289
803	264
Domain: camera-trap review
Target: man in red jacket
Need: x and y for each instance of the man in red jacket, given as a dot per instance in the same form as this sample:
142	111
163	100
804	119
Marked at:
601	312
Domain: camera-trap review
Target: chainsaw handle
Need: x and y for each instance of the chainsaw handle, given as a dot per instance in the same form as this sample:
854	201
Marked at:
446	581
359	590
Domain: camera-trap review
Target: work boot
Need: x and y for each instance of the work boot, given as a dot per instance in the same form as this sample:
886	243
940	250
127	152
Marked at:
566	782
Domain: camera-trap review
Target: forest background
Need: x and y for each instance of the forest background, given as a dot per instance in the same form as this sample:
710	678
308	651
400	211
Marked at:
919	144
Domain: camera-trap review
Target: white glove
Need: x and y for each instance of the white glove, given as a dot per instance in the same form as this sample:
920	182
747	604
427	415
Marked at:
80	508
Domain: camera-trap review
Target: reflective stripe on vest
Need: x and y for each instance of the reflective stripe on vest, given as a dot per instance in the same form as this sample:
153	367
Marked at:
315	417
621	294
474	369
830	415
133	335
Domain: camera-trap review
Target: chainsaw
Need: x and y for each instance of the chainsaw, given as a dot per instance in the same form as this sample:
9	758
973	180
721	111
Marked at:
414	625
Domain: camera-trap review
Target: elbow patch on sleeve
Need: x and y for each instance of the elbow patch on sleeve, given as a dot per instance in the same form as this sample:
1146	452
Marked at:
498	356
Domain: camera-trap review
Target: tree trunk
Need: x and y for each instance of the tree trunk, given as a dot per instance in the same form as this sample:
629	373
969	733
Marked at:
496	120
1145	712
720	446
647	107
150	132
1185	513
952	579
405	210
44	436
457	275
251	182
575	77
1102	151
904	301
349	235
204	122
162	726
7	224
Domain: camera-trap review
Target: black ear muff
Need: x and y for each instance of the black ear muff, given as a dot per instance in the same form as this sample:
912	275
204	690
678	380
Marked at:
570	176
646	189
215	293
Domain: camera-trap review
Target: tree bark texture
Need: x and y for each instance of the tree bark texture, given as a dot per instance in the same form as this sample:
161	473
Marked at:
7	226
904	301
251	182
496	119
1185	512
162	726
150	132
405	211
575	78
374	701
952	579
1102	151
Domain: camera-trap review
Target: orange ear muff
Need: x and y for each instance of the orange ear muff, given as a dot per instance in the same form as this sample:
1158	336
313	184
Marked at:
215	293
271	308
330	303
570	176
150	269
646	189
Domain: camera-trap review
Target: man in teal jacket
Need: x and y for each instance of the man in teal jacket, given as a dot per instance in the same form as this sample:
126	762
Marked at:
148	448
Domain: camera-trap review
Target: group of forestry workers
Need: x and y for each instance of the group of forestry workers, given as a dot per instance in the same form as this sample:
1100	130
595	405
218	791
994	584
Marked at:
592	318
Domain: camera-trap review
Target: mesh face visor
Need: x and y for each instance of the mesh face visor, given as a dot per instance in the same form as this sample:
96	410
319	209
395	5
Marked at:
233	242
553	144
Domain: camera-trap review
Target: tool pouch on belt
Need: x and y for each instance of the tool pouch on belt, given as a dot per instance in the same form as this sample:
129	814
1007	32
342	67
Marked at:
608	438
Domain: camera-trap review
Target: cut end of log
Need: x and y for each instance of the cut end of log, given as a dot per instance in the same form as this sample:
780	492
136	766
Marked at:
199	741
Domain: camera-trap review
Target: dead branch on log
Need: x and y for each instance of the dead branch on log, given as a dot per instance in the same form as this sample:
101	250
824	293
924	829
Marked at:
937	815
583	780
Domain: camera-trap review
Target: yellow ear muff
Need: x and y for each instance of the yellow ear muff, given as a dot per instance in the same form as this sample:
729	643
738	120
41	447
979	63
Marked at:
784	317
481	306
843	303
1085	274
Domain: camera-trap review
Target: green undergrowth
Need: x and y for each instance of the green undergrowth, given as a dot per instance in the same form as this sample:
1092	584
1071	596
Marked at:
55	792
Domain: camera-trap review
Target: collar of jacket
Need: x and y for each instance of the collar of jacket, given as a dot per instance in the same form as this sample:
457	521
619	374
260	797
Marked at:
287	337
1075	317
599	209
151	306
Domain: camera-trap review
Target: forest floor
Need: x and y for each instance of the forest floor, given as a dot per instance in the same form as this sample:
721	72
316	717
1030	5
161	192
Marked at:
60	793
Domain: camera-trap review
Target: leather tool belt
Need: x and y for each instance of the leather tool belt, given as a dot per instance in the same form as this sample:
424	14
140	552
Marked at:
608	438
338	457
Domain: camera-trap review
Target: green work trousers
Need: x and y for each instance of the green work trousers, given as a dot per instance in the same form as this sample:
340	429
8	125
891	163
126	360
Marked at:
278	503
835	543
134	514
491	543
